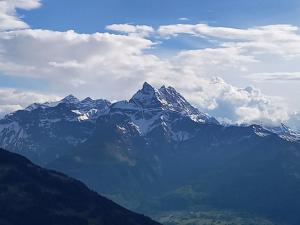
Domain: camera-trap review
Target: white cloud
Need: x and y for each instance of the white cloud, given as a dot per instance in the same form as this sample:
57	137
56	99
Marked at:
279	39
12	99
183	19
72	59
8	17
141	30
274	32
212	60
276	77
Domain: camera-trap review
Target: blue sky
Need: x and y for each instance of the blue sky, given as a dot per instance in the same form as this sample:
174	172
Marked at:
236	59
93	15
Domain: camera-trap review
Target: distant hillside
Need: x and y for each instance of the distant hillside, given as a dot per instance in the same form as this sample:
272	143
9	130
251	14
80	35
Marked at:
30	195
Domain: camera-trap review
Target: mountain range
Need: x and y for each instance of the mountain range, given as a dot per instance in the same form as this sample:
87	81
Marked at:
157	153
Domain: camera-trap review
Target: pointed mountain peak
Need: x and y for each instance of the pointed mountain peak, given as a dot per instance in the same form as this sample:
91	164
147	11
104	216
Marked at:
98	104
167	98
147	97
88	99
70	99
148	88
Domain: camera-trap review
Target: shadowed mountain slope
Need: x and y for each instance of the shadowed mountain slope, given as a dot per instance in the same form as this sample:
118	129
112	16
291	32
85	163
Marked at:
30	195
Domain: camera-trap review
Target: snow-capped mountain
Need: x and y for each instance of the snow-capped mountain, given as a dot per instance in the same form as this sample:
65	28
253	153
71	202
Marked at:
87	109
57	126
70	121
284	132
151	107
166	98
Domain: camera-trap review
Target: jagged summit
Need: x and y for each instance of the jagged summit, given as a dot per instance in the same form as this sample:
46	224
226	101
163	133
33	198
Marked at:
167	98
70	99
147	97
148	87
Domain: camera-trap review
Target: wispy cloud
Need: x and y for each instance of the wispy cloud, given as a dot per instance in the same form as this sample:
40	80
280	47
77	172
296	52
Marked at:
279	39
183	19
141	30
275	77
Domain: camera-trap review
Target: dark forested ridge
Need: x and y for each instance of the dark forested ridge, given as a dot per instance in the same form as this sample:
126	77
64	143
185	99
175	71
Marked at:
30	195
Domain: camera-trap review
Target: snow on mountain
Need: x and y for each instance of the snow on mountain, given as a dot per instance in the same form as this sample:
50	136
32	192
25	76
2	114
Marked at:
284	132
12	134
167	98
150	108
87	109
260	131
70	99
57	126
148	100
72	120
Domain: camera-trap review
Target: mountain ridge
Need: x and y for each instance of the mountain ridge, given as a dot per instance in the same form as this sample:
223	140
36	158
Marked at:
33	195
146	99
71	121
